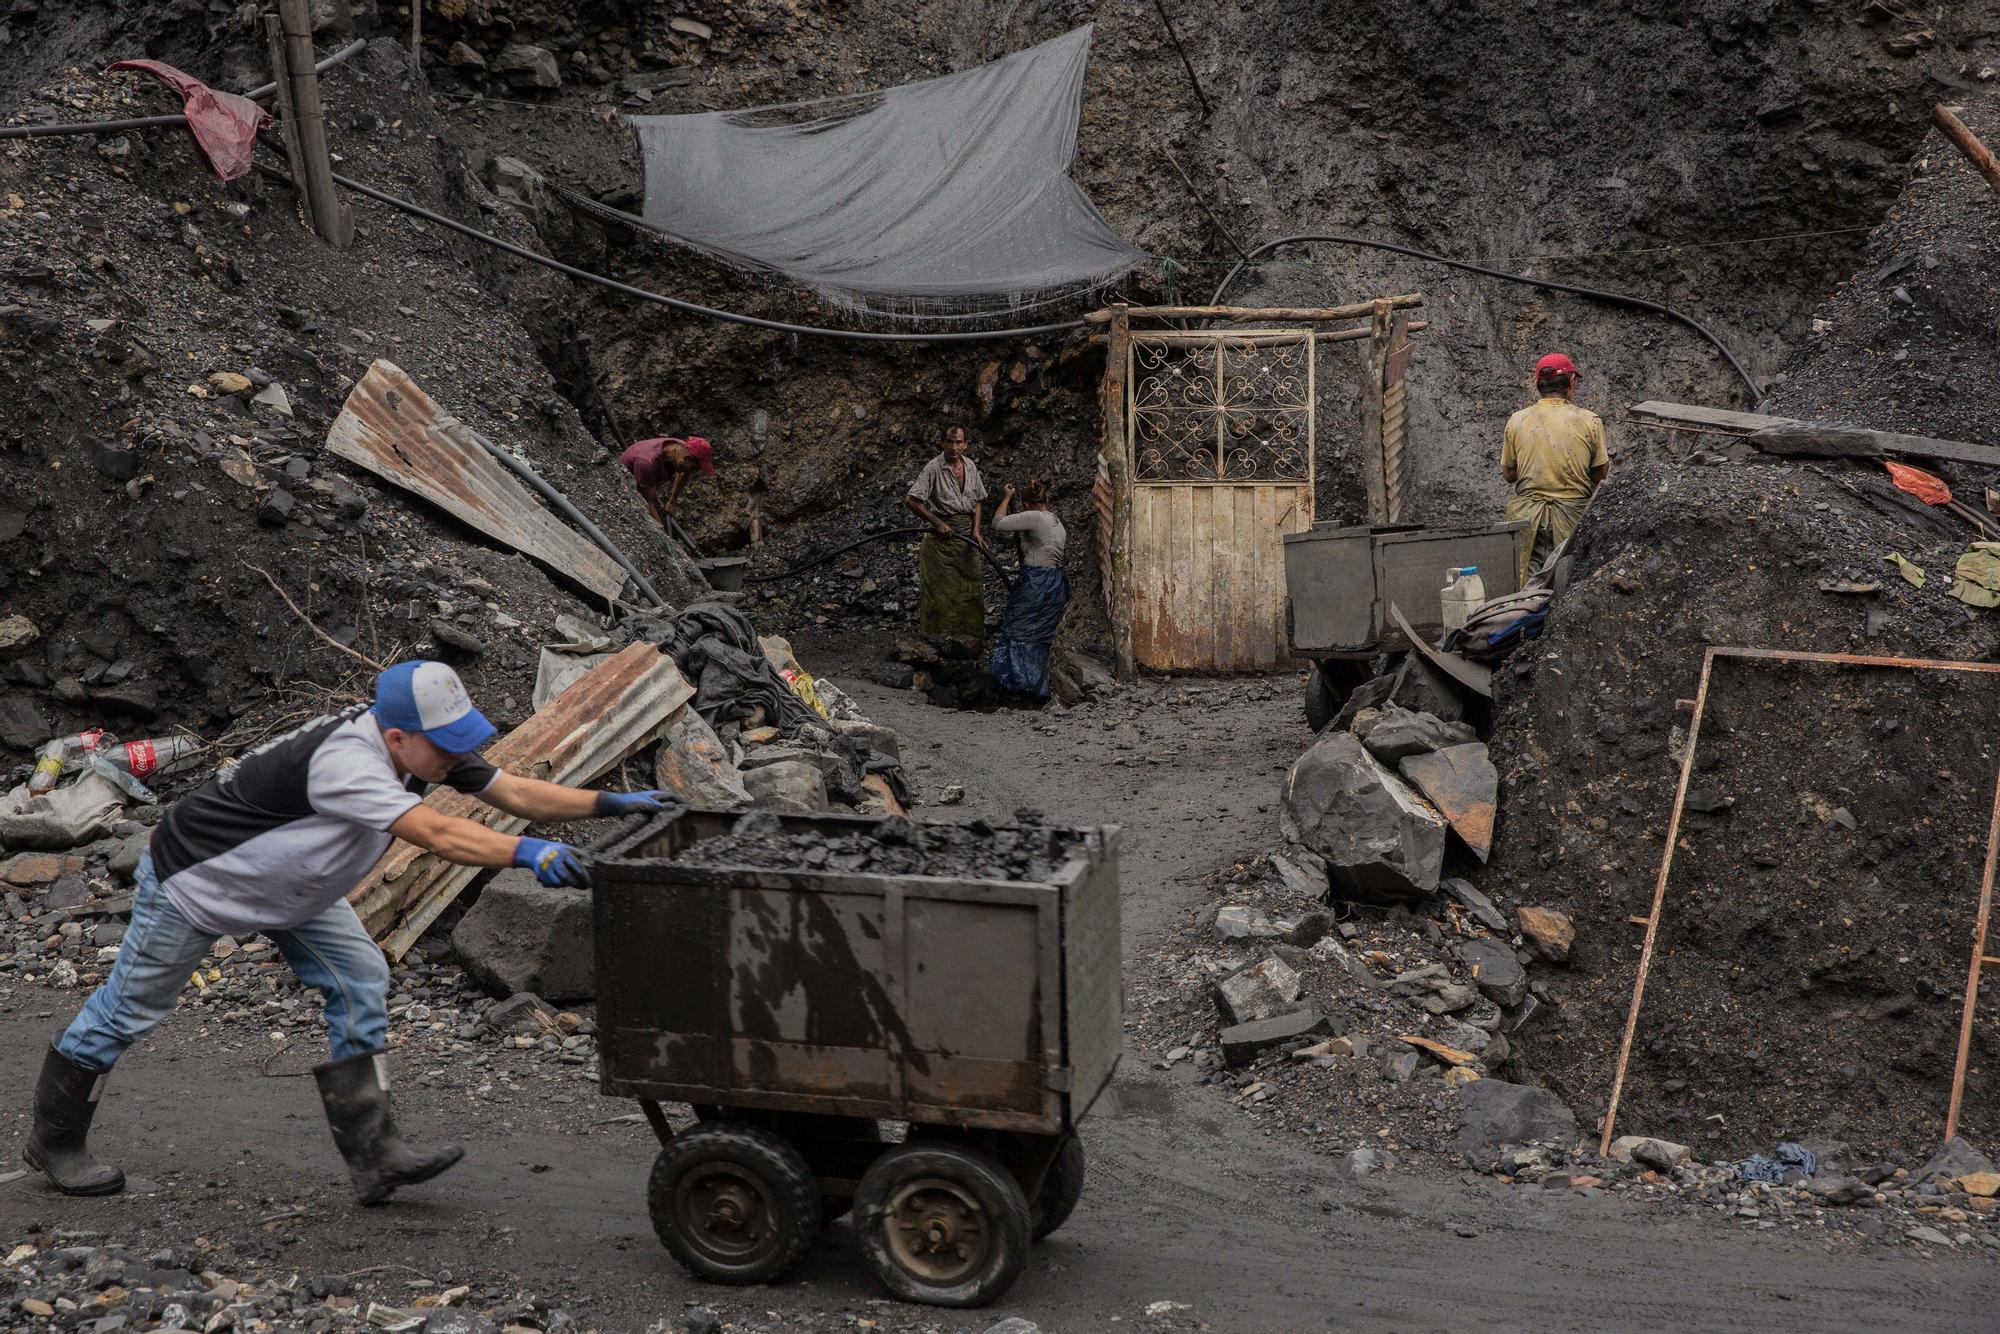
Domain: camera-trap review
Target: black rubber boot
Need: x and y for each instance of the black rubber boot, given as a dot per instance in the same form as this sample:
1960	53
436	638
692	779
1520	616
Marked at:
356	1094
65	1102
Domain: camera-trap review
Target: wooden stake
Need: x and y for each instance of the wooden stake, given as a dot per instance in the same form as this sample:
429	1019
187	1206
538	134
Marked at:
332	218
1118	468
417	34
1977	153
288	120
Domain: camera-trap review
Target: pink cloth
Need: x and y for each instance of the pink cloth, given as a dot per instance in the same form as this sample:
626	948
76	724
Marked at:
225	125
644	460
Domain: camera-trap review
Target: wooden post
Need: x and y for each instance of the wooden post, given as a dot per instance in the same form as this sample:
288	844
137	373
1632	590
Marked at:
332	218
288	120
1396	419
1977	153
417	35
1117	464
1373	473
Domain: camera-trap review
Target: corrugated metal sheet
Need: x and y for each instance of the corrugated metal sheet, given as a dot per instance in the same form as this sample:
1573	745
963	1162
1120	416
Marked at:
619	707
392	428
1208	573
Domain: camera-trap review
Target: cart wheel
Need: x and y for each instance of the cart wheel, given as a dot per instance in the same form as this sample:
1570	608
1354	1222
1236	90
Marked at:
1321	703
734	1204
1061	1188
942	1224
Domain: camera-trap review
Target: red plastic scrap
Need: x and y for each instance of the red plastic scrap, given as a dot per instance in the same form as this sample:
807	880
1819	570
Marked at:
225	125
1925	487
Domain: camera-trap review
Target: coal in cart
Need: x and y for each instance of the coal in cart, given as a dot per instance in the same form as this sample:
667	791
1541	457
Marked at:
916	1048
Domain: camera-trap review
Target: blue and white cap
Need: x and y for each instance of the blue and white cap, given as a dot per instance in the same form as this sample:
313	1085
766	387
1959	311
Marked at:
428	697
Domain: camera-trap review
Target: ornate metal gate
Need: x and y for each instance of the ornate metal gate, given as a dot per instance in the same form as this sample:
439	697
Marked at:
1223	407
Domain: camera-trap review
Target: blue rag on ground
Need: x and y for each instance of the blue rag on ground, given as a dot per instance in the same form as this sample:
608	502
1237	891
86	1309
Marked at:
1020	658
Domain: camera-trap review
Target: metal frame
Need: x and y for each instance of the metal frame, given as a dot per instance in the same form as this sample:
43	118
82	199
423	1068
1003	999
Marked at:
1979	955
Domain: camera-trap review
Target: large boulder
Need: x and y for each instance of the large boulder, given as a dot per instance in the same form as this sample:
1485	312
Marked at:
1393	733
1956	1159
524	936
527	66
1262	991
1495	1115
1382	842
1495	971
790	785
693	762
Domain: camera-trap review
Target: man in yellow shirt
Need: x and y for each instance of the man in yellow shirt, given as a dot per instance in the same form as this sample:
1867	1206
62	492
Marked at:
1555	458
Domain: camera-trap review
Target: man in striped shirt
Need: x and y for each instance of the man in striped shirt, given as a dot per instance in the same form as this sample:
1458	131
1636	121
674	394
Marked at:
273	845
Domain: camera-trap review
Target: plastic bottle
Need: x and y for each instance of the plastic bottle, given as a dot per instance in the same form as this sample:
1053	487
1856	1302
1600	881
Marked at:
1463	591
60	754
156	758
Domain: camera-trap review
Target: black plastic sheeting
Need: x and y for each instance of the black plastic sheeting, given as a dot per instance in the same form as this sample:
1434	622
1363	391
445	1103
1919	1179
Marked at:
949	196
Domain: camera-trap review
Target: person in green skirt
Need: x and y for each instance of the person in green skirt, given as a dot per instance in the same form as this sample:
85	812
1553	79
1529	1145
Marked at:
951	589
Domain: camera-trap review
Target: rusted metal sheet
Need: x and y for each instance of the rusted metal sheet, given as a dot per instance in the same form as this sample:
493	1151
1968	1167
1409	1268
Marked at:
392	428
620	706
907	997
1463	784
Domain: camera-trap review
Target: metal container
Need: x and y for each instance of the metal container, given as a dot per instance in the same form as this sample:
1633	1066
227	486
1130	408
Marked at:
724	574
1341	582
986	1004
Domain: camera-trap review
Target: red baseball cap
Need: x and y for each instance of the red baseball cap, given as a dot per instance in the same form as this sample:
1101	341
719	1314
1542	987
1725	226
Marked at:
1555	363
701	452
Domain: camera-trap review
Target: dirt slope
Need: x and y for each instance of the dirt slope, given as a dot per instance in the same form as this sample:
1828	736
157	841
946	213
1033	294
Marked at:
1815	944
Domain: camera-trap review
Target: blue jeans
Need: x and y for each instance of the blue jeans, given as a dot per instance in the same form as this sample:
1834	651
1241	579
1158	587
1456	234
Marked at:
331	952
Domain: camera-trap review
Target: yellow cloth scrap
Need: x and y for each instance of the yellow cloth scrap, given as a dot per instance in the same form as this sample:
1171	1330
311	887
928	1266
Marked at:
1977	576
1912	572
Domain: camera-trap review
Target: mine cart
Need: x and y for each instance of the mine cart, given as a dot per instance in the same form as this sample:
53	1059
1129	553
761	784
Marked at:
1341	582
915	1048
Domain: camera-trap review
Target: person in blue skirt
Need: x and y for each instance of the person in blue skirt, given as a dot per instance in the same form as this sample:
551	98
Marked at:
1020	657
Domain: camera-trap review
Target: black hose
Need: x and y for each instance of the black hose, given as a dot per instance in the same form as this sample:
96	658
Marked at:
1615	298
576	516
259	93
825	556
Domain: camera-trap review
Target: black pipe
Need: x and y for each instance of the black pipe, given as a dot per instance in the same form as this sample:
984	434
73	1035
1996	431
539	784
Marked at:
576	516
1615	298
339	57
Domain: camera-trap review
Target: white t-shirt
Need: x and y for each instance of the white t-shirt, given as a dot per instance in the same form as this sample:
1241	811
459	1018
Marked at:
285	833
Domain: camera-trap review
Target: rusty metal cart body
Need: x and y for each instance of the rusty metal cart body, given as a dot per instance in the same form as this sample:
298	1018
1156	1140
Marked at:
798	1010
1341	582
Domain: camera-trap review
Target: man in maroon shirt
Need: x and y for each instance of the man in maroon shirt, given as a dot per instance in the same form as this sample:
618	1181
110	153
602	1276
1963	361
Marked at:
653	461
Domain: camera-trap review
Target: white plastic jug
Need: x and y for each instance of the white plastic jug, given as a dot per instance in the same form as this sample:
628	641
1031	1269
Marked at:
1463	591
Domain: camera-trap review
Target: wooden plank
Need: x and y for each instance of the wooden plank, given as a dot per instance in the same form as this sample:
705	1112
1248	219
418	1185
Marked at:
1745	423
1180	585
1198	607
393	429
1236	524
1251	314
1146	564
619	707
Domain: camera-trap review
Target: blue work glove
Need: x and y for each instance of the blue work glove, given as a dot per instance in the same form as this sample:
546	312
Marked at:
634	803
554	864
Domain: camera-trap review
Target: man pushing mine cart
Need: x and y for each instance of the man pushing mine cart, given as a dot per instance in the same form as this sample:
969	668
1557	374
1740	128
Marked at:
801	980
